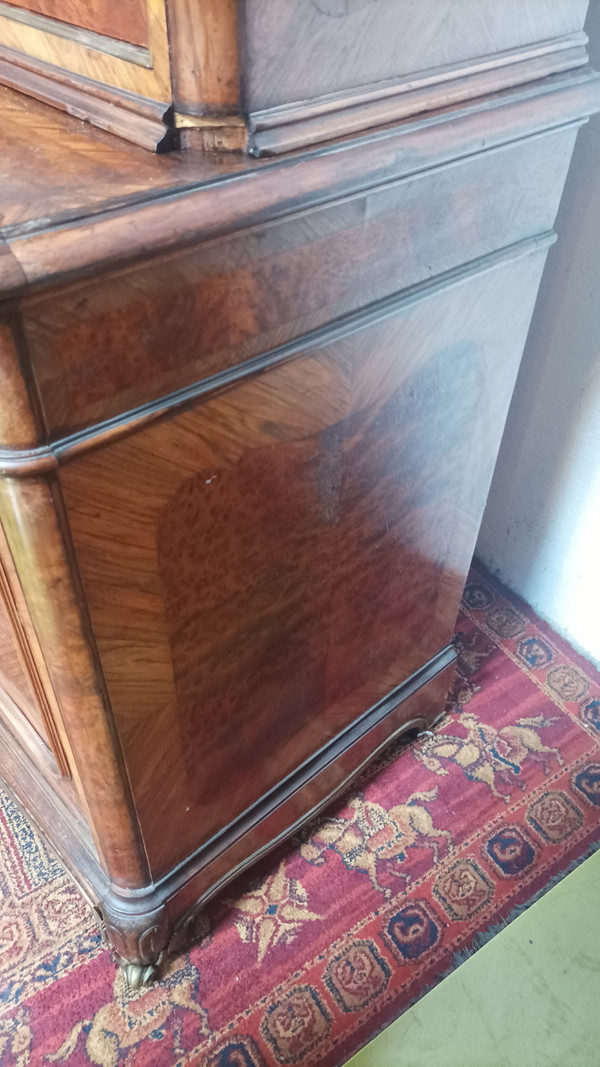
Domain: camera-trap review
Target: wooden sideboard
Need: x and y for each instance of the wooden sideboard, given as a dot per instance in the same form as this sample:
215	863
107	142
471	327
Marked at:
249	416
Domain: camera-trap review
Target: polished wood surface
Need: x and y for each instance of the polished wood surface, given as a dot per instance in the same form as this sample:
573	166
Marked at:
196	210
287	552
114	344
249	415
38	542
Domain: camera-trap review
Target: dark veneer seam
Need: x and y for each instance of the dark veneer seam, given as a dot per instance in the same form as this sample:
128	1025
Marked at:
27	462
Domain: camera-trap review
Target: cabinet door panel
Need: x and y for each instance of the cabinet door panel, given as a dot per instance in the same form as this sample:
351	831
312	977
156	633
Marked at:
287	552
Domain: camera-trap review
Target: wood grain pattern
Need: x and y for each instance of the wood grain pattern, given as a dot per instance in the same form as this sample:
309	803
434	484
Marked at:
360	42
129	22
109	345
322	516
205	63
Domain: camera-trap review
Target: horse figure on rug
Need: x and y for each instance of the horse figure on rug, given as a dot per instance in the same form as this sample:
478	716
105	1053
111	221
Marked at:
487	754
375	833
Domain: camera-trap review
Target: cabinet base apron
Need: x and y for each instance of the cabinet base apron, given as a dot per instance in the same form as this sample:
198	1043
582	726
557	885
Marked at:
146	925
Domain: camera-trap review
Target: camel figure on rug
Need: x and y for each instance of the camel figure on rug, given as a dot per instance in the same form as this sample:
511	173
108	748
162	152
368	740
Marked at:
375	833
486	753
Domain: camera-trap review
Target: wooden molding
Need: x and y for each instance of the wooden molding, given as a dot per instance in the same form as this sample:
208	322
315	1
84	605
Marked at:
281	129
315	766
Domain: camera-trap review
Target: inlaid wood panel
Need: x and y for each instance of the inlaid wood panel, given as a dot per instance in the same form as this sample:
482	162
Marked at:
111	344
287	552
126	20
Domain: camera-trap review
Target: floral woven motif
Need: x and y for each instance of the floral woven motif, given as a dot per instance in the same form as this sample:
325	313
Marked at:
338	932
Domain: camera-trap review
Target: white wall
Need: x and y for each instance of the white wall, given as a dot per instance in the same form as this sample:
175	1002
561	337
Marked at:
541	529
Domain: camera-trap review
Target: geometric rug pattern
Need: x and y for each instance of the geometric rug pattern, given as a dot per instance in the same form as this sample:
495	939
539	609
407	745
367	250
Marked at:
306	957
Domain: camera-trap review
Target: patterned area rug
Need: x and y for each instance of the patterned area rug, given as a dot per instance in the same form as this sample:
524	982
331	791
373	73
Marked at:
341	930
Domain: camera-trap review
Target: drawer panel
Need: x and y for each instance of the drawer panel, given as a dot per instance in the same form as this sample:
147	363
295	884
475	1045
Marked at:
287	552
102	347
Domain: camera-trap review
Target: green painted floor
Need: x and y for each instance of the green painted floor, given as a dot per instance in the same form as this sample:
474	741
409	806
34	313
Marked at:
529	998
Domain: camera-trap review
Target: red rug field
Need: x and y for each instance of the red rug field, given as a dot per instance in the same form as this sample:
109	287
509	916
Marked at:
335	935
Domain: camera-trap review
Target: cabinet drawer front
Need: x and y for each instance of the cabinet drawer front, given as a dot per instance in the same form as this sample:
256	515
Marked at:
111	344
287	552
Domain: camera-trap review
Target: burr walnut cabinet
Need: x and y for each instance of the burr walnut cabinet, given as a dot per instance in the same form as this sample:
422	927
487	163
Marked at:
250	407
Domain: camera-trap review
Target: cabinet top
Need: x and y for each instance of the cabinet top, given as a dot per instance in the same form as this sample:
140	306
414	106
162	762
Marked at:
76	200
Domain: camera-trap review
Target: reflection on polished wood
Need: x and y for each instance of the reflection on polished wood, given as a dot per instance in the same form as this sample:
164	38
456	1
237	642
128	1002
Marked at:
287	552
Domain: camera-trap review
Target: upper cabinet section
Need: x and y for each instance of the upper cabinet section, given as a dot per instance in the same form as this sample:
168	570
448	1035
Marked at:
267	76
